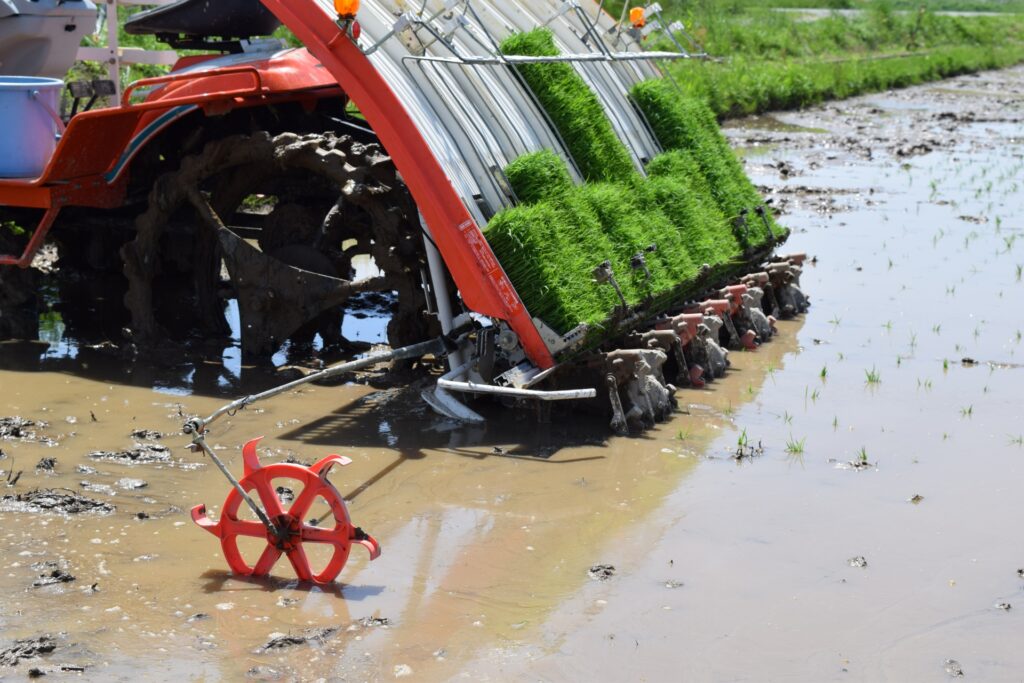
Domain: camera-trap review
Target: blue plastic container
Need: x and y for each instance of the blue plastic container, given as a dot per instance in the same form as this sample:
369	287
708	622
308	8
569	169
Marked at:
29	125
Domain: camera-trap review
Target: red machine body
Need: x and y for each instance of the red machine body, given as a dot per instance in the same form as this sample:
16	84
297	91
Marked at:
92	162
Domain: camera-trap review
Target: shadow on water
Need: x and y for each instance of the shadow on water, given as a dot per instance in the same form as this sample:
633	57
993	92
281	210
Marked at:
219	581
83	332
401	421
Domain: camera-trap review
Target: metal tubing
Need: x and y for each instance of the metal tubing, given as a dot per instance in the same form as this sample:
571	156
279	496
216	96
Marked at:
449	383
441	295
525	59
414	351
199	440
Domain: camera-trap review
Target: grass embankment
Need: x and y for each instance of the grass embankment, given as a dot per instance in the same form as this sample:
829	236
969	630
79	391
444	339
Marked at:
551	242
776	60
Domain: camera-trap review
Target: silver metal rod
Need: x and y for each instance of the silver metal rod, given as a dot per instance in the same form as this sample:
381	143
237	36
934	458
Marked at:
414	351
544	59
199	440
449	383
383	39
438	278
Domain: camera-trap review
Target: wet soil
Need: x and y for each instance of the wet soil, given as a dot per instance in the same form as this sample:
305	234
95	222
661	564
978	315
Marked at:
526	551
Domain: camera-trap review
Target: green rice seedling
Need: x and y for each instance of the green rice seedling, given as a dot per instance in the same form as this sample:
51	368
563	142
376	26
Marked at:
538	176
687	124
573	107
872	376
550	244
795	447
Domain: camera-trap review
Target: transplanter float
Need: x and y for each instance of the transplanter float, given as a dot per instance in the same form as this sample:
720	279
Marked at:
530	188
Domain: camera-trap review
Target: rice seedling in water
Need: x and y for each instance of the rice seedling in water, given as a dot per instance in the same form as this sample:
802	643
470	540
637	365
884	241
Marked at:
872	376
795	447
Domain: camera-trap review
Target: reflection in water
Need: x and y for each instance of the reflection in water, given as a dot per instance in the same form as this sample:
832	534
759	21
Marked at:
83	331
722	571
485	529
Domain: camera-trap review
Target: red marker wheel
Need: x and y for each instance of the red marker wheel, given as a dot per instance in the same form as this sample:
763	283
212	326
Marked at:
293	527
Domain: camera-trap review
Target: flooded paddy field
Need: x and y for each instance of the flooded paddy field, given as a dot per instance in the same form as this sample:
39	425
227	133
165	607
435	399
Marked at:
868	530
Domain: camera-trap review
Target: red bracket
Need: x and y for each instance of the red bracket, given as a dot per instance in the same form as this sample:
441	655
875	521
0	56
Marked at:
36	241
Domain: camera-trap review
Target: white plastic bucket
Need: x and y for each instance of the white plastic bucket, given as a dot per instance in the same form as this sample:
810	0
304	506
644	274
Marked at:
29	124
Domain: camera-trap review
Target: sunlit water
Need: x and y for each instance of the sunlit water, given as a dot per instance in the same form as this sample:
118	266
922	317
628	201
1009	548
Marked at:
725	569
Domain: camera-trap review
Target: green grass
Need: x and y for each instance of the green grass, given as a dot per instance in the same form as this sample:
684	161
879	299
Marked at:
779	60
551	242
747	86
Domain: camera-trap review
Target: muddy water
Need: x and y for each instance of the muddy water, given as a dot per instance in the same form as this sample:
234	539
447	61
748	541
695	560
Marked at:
724	569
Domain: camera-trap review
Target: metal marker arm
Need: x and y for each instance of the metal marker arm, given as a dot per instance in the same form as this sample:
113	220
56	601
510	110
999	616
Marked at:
199	439
415	351
196	427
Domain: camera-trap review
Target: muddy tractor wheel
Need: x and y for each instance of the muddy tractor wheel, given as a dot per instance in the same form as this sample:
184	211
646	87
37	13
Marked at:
291	218
19	302
19	287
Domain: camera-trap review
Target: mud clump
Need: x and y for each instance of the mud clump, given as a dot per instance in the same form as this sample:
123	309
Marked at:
264	673
97	488
292	460
46	465
859	561
308	636
53	577
954	669
28	648
21	429
141	454
147	435
601	572
63	501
